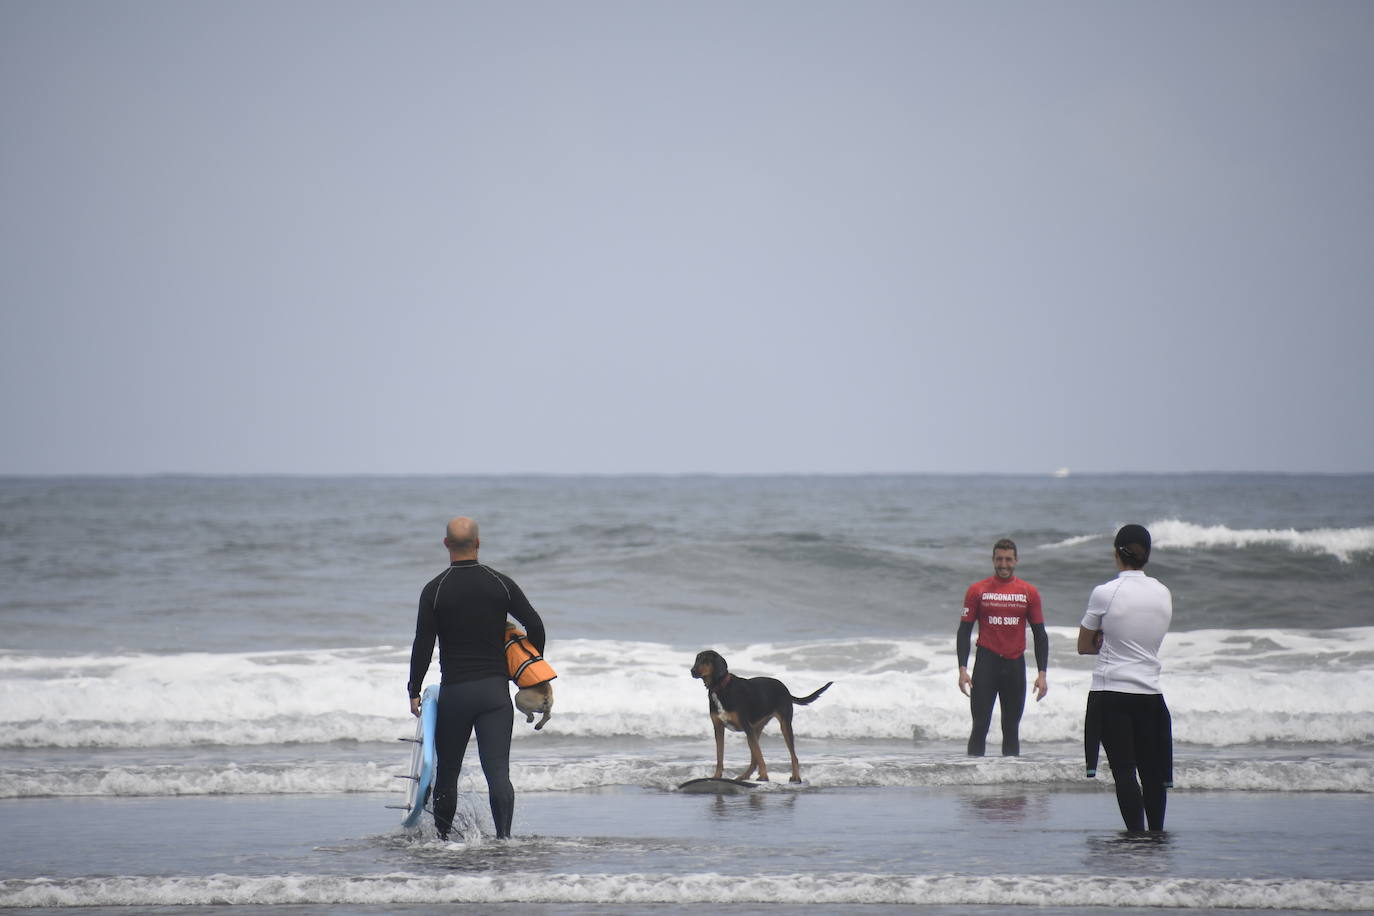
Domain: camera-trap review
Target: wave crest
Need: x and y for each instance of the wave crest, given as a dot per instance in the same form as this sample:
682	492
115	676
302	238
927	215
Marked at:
1342	543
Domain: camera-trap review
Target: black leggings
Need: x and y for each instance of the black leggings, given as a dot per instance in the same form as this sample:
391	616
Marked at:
996	677
1137	734
485	706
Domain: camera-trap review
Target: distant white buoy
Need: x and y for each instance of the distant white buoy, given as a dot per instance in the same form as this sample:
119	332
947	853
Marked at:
1061	473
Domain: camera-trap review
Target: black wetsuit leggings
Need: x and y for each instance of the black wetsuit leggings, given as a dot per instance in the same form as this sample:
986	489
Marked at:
485	706
1137	734
994	678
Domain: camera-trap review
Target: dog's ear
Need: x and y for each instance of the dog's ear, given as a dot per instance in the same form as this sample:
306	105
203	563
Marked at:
720	668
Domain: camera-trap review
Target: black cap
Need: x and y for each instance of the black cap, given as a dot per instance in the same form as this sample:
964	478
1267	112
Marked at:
1133	536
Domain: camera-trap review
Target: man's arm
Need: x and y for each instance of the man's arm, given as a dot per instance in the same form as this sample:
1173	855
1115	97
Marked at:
421	651
524	612
1042	659
1089	641
1090	628
963	640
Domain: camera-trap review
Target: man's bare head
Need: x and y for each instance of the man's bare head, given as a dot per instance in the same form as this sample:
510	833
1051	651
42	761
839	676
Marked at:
461	537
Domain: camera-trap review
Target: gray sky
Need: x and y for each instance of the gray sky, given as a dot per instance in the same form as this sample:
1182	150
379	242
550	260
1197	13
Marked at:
602	237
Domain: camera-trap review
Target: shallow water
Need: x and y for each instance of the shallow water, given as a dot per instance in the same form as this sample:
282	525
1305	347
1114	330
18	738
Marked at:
992	845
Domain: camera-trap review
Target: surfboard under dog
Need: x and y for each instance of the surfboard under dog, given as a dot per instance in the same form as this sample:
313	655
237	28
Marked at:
710	786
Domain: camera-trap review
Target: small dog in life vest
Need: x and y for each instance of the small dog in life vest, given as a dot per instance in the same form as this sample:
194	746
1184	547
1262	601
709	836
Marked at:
531	674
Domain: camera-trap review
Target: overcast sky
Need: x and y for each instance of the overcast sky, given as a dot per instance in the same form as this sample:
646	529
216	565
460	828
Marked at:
338	237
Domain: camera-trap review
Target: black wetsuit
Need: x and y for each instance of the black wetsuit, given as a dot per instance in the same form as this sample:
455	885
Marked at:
465	608
994	677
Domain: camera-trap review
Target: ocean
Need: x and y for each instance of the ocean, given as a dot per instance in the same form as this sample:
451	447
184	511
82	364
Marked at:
202	684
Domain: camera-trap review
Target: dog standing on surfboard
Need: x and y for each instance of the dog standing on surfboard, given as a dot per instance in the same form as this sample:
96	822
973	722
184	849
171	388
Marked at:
746	704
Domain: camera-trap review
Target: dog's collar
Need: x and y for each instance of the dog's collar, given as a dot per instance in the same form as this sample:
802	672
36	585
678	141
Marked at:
723	681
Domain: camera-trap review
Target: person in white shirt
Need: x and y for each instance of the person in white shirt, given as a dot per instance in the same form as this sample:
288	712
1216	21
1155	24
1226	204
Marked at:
1124	626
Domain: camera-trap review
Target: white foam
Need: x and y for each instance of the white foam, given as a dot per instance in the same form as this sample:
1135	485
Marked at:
1175	534
665	768
1225	688
833	890
1341	543
1073	541
197	779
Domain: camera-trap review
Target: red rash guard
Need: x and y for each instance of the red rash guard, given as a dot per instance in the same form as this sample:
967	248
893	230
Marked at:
1002	609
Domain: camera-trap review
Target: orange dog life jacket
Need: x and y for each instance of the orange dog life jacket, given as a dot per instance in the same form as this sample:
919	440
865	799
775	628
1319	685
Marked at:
527	667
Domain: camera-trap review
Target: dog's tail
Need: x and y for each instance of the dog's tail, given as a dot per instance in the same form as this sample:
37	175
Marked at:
807	701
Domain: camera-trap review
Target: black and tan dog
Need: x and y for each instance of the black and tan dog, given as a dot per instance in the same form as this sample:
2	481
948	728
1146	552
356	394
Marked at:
745	704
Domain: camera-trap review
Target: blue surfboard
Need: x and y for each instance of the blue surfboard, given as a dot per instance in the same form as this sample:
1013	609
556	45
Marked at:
422	758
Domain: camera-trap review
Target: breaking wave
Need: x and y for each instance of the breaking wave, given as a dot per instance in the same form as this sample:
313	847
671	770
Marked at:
1345	544
1225	687
840	889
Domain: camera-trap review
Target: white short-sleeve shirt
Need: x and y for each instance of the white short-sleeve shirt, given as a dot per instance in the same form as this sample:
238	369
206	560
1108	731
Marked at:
1133	613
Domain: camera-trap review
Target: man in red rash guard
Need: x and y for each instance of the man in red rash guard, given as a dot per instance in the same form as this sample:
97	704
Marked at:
1002	605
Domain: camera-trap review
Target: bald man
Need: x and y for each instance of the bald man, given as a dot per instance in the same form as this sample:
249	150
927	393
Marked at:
465	608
